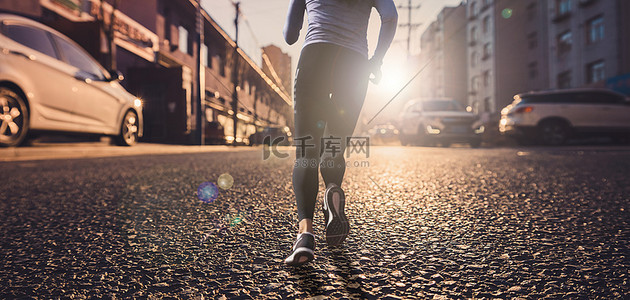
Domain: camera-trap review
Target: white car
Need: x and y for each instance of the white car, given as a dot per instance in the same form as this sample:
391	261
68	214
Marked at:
552	117
48	83
438	121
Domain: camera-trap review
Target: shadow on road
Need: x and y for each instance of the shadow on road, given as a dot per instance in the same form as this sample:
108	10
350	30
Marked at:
308	281
348	275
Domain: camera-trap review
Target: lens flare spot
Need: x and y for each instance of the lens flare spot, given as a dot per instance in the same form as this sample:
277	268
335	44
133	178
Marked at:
225	181
321	124
208	192
507	13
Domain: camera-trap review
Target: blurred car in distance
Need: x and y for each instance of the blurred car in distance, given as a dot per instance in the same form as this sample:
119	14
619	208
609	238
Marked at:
271	135
383	134
438	121
48	83
552	117
214	134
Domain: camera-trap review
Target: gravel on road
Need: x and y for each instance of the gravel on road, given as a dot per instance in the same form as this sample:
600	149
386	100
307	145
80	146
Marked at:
425	223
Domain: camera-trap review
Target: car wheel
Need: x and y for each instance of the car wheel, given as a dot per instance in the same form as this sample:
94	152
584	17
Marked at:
422	138
128	130
554	133
14	121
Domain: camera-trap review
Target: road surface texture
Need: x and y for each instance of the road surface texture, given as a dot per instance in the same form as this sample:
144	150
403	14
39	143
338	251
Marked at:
425	223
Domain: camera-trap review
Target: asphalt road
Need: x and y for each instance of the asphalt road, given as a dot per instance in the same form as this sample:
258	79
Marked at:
425	223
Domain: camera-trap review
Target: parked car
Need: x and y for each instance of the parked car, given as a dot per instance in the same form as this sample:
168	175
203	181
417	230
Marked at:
551	117
383	134
48	83
438	121
276	135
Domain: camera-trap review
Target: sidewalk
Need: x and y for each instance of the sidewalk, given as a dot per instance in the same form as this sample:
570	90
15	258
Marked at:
44	151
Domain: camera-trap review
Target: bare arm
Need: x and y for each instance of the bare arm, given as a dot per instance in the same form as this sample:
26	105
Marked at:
389	22
295	18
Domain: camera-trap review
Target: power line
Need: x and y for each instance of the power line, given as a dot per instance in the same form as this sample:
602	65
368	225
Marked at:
265	58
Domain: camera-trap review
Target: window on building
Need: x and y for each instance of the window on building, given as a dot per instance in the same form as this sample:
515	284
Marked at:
474	84
563	7
204	55
532	40
486	24
487	104
474	59
564	80
183	39
533	70
221	65
595	71
487	78
565	41
487	50
473	9
595	30
487	2
531	11
210	56
473	34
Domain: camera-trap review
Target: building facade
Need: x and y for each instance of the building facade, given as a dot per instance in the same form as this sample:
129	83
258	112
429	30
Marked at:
155	44
504	44
527	45
587	39
443	49
530	45
277	65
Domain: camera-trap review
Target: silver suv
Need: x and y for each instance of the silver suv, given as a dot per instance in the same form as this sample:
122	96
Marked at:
552	117
49	83
438	121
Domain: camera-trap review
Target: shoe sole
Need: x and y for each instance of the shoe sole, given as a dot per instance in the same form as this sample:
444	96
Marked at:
338	227
294	259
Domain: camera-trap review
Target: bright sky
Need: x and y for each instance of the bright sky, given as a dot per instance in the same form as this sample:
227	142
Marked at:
266	21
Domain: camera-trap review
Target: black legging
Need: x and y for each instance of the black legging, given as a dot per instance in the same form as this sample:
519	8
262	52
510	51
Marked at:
330	86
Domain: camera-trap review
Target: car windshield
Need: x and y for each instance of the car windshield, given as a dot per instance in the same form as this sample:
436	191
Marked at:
441	106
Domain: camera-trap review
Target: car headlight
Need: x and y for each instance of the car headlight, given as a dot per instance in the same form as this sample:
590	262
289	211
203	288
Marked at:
432	130
481	129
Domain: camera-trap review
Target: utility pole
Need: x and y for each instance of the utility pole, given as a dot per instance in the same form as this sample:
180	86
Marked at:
237	5
409	24
200	78
109	31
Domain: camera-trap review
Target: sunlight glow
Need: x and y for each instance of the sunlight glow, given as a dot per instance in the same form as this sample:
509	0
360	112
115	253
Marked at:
394	77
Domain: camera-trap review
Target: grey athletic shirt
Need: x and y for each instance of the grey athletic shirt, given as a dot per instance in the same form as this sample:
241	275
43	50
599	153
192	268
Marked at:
342	22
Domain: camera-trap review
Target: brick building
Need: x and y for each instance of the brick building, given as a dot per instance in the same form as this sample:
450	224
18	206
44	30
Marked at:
155	46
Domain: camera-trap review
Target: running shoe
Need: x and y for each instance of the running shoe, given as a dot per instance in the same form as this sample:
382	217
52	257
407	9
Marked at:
303	250
337	227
